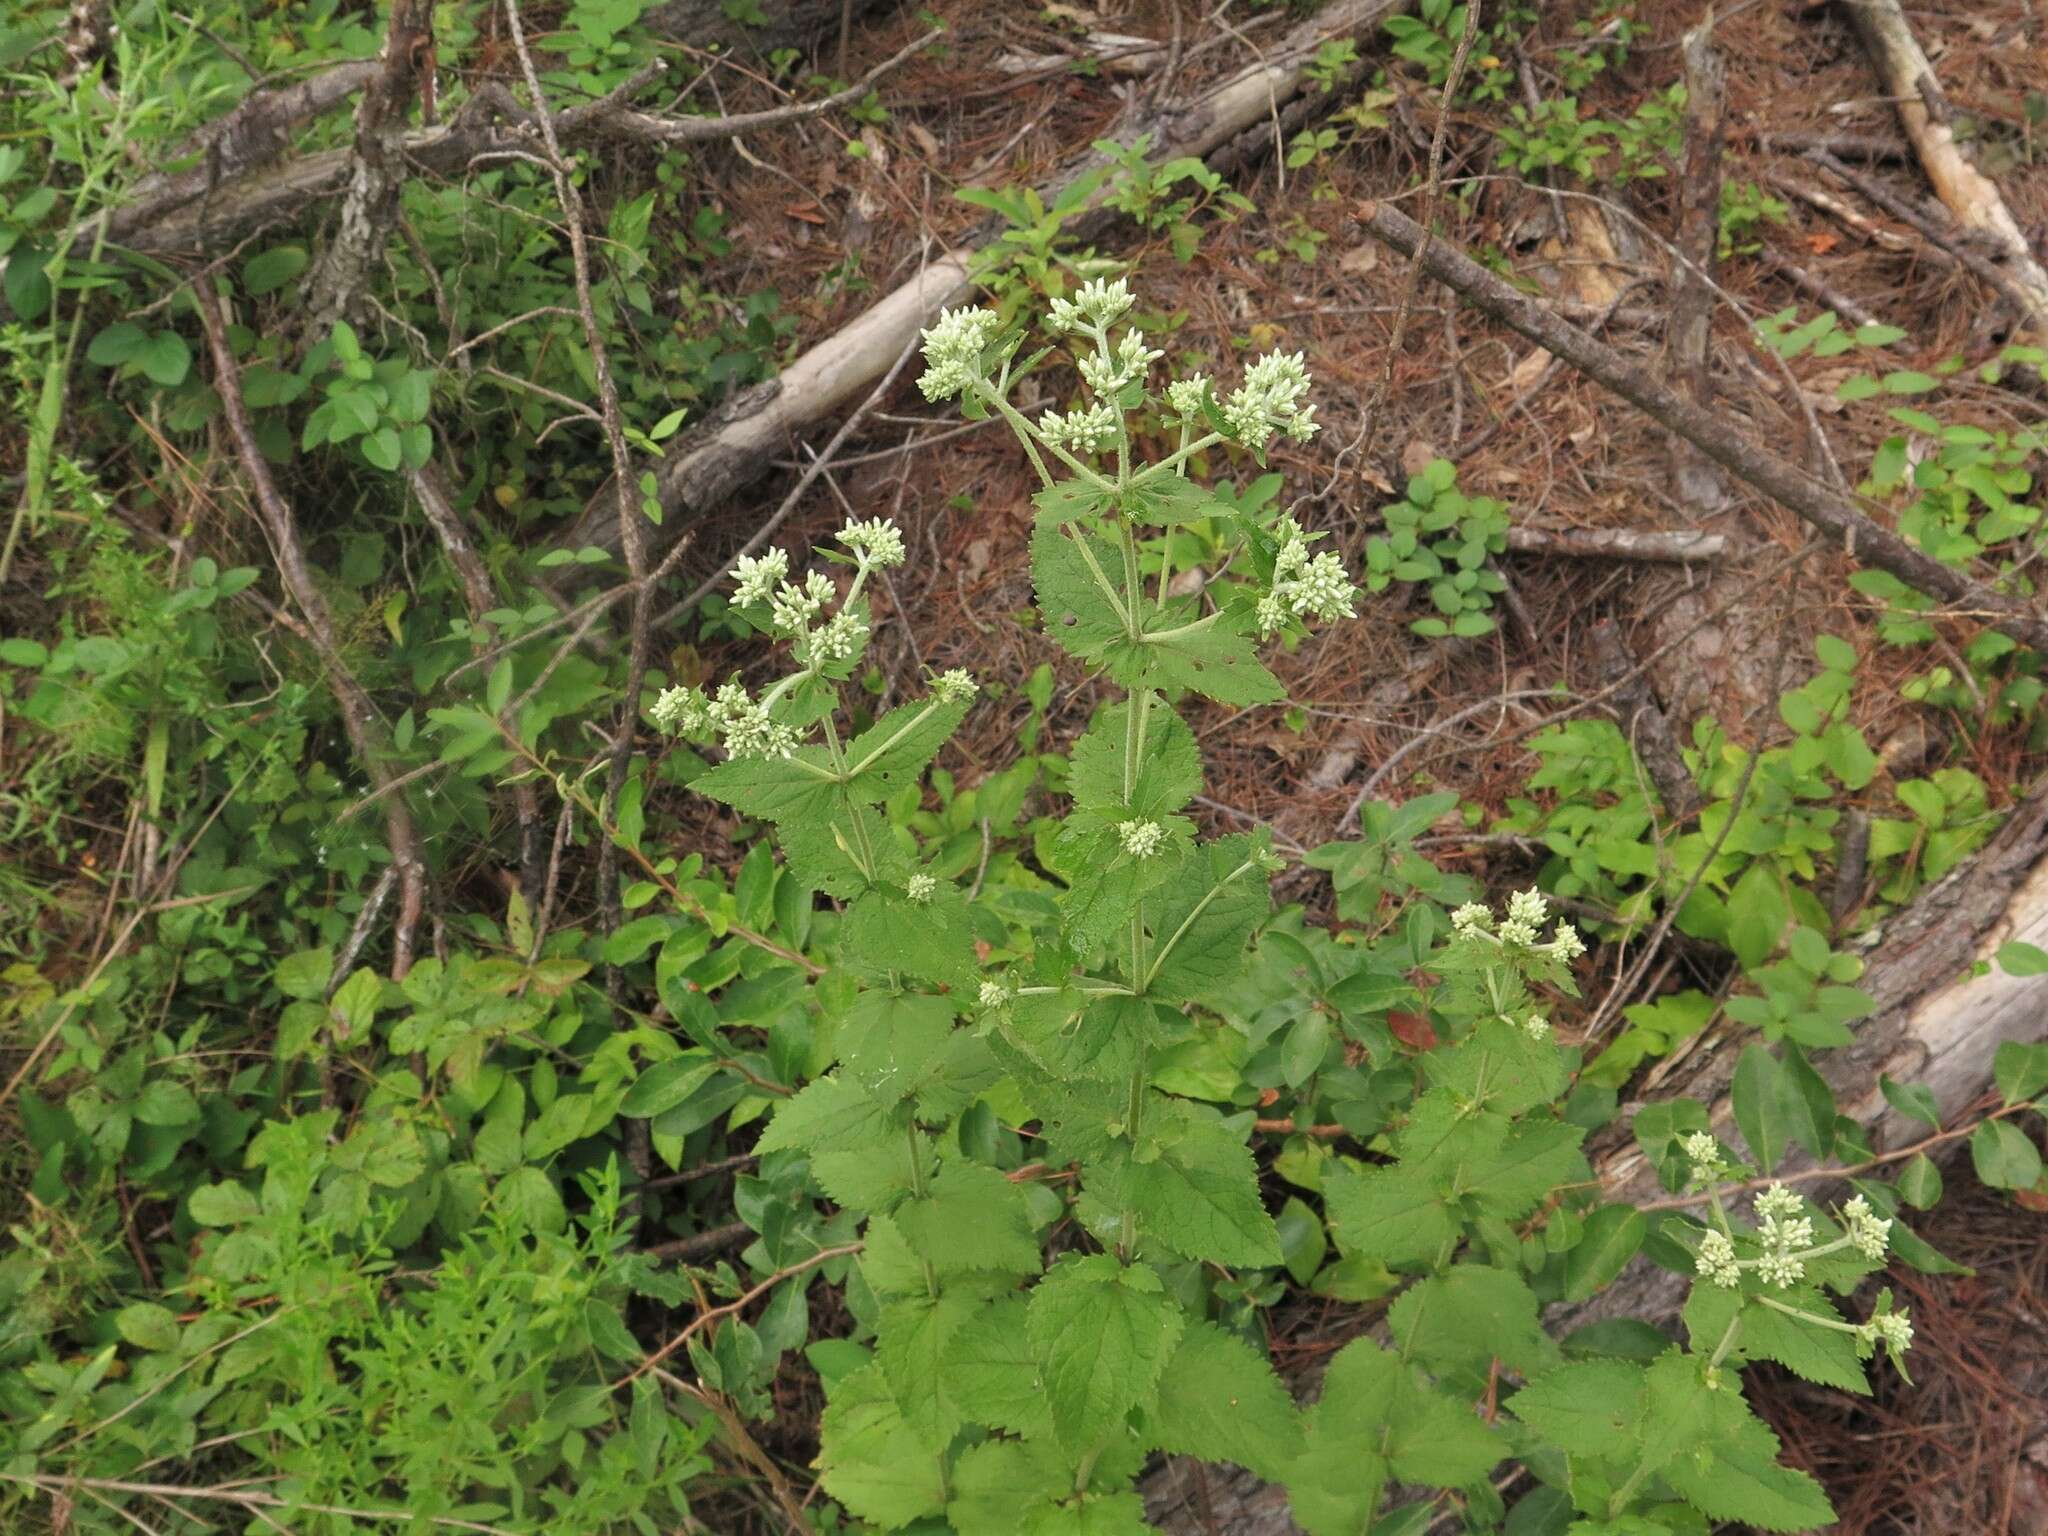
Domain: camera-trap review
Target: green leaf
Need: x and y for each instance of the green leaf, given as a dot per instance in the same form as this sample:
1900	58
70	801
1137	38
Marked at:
2005	1156
1205	917
1103	1333
1819	1354
1003	1487
119	343
165	1102
1919	1183
1394	1214
1760	1094
1468	1316
166	359
1916	1101
632	940
1730	1471
270	270
530	1194
992	1373
305	974
779	788
1220	1400
896	749
2020	1070
222	1205
149	1326
1757	914
2016	957
26	282
666	1084
871	1460
1613	1235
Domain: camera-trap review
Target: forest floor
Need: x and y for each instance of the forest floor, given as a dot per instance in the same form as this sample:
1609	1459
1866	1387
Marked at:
1965	1448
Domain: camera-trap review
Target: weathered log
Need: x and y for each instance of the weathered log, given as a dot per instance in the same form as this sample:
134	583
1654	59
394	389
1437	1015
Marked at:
1935	1024
1967	192
704	466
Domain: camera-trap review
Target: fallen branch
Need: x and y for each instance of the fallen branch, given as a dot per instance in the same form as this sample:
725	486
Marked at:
707	464
1683	548
1964	190
1814	502
199	210
359	717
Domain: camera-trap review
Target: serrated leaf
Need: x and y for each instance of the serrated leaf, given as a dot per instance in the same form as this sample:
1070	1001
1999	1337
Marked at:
1820	1354
1468	1316
1103	1333
1169	771
1586	1407
896	749
831	1114
973	1219
1205	917
1000	1485
1199	1197
871	1460
993	1373
1729	1470
1394	1214
781	789
911	1348
1221	1400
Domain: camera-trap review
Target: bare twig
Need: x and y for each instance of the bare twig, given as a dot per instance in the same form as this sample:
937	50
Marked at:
359	716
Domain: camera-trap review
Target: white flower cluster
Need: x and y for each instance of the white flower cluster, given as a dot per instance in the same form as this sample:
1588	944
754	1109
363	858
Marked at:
1269	401
792	607
952	686
993	994
1109	370
1786	1234
1185	396
839	638
1869	1233
1085	429
744	727
1098	304
953	349
1536	1027
755	579
1527	913
876	541
1716	1260
1892	1329
921	888
1305	586
1704	1153
1141	839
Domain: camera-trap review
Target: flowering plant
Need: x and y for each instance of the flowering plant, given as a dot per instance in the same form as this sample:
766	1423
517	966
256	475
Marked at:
1041	1327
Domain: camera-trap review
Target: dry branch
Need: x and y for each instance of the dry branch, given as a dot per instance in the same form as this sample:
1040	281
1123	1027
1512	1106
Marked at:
709	463
1966	191
1695	482
1813	501
365	727
1683	548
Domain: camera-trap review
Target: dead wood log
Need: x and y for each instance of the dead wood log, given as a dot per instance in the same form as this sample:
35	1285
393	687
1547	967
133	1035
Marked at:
1935	1025
198	211
1967	192
1812	500
1679	548
704	466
